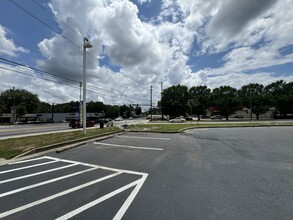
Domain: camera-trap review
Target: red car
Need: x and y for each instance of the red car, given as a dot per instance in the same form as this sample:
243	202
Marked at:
74	123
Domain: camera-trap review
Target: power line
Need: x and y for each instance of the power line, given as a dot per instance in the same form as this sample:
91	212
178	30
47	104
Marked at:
44	23
57	76
38	70
70	85
50	12
56	31
59	33
34	76
63	78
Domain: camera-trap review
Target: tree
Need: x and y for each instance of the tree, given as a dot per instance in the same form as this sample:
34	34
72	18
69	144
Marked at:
174	100
111	111
20	97
226	99
124	111
137	110
199	100
21	110
254	95
44	107
281	96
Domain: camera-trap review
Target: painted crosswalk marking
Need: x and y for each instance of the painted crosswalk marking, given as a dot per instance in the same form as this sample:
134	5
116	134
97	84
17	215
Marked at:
137	184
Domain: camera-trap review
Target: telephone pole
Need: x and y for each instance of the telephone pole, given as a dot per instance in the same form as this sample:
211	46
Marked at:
151	104
161	100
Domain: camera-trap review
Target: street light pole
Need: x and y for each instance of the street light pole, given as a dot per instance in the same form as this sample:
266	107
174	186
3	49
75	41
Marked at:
80	85
250	103
86	44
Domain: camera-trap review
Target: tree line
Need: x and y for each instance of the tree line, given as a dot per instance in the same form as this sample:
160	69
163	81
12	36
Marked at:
26	102
176	100
179	100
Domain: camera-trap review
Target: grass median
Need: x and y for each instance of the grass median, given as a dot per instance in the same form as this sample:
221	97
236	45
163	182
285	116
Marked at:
12	147
175	128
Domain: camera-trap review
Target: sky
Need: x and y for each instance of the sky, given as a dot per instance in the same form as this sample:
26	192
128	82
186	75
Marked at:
142	43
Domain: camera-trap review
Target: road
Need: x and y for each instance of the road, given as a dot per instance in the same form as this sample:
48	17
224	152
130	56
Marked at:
31	129
36	129
237	173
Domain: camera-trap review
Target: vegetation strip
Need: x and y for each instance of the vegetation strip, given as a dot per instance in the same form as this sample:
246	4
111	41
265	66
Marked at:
10	148
175	128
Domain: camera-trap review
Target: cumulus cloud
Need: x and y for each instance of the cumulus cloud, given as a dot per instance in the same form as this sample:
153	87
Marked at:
234	15
7	46
251	34
143	1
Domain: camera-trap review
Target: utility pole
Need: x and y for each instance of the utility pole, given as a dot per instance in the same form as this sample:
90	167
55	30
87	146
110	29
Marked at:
80	85
53	112
2	112
250	103
161	100
151	104
86	44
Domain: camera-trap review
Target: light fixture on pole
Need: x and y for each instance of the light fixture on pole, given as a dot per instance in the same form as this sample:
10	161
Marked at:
86	44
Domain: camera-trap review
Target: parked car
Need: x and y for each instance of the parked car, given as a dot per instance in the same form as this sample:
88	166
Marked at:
189	118
118	119
75	123
205	117
177	120
238	116
108	122
216	117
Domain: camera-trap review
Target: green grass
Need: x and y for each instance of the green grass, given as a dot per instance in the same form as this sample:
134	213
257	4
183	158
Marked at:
174	128
12	147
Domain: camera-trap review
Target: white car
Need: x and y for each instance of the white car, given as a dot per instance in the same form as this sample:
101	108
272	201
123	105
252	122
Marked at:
118	119
177	120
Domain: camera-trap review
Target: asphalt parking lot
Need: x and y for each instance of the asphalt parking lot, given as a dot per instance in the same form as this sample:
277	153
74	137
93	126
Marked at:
236	173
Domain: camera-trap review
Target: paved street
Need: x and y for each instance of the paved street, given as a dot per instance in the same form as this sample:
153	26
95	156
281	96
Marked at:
37	129
237	173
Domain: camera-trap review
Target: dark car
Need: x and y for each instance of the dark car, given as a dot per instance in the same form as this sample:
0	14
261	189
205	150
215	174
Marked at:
75	123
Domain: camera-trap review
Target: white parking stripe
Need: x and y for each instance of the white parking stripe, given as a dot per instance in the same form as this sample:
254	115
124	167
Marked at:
38	202
126	146
97	166
44	183
99	200
130	198
147	138
71	161
25	161
35	174
22	168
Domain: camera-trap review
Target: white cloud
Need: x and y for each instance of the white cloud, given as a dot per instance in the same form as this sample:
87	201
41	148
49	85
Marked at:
147	53
143	1
7	46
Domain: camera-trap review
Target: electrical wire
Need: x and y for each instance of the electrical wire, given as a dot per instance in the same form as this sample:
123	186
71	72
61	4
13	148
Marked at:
70	85
44	23
64	78
56	31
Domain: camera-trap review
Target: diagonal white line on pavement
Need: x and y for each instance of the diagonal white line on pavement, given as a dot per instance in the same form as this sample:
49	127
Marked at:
36	174
127	146
147	138
97	201
44	183
27	167
130	198
38	202
29	160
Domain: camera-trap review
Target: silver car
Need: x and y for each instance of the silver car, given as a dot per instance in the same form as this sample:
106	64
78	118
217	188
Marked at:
177	120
